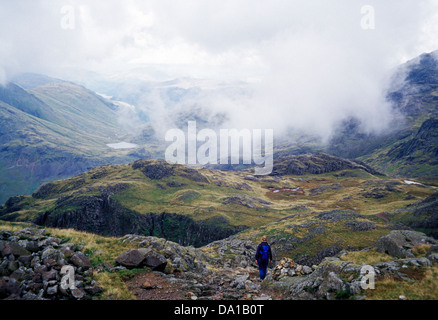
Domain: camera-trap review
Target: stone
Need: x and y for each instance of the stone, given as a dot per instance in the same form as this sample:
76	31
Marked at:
52	257
77	293
4	234
25	260
398	243
50	275
148	286
32	233
12	266
7	248
93	289
9	287
29	245
307	270
81	260
155	261
52	290
132	258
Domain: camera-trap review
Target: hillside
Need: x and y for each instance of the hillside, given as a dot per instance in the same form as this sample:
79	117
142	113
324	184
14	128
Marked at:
408	148
53	131
327	210
137	267
195	206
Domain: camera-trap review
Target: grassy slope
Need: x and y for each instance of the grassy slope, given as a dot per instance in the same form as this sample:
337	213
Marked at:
35	150
205	200
292	220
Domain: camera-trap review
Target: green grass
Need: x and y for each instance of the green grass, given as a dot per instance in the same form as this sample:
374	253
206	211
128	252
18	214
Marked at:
424	286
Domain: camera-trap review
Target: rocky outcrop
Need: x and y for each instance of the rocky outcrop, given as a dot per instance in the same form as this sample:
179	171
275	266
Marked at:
104	216
422	215
159	169
35	266
138	258
399	243
160	254
424	142
247	201
335	279
316	164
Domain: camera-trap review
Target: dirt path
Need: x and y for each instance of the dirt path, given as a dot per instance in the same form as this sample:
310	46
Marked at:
235	285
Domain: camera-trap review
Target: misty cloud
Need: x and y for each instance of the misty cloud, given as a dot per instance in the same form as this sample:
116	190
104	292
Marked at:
307	65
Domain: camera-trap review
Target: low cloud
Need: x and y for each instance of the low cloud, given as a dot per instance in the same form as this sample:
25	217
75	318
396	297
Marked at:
307	65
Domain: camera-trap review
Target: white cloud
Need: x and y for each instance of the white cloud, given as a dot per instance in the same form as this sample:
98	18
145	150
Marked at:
312	61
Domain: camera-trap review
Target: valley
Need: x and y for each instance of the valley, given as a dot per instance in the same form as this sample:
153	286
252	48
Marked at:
68	166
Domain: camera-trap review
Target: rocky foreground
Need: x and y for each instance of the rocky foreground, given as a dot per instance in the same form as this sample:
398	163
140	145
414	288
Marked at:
32	267
32	263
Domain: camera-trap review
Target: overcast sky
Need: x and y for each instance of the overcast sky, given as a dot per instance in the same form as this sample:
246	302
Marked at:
312	57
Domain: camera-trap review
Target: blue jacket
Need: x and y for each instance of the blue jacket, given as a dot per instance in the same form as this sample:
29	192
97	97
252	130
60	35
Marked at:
259	253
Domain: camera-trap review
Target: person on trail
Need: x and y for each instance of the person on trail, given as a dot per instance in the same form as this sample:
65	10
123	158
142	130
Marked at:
263	257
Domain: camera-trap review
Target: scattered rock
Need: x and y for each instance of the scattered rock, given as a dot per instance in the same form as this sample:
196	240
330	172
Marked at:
31	270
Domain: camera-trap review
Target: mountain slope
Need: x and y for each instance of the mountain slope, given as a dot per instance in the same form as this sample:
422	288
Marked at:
408	148
198	205
13	95
53	131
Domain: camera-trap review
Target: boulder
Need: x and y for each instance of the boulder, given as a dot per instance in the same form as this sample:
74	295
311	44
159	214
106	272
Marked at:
132	258
53	257
50	275
9	287
399	243
155	261
79	259
8	247
77	293
137	258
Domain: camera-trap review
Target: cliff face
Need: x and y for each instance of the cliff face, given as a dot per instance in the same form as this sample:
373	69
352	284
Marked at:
422	215
424	142
104	216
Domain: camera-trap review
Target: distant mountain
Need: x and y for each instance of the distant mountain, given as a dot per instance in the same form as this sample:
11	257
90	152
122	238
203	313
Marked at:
411	150
51	130
65	128
408	148
33	80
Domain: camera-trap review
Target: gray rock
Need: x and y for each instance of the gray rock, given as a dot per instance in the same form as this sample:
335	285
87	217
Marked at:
331	283
9	287
8	247
132	258
50	275
93	289
398	243
51	291
155	261
77	293
52	257
81	260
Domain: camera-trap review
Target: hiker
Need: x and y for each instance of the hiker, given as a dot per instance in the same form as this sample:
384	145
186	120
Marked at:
263	257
